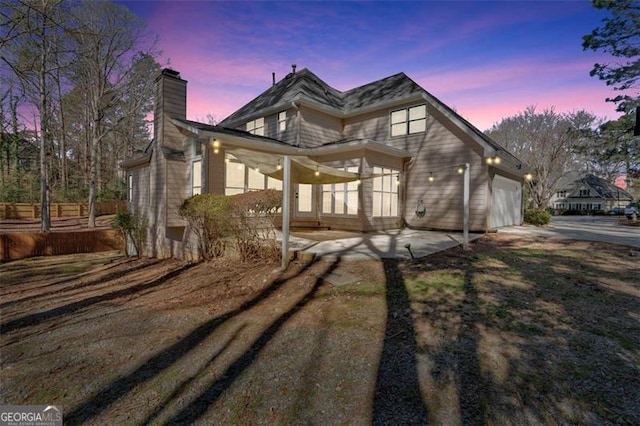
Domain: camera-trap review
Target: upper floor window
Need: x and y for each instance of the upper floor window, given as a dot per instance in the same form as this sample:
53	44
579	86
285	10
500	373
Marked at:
562	194
584	192
282	121
256	126
409	120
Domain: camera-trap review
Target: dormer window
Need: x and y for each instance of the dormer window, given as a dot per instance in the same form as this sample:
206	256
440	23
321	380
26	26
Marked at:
256	126
409	120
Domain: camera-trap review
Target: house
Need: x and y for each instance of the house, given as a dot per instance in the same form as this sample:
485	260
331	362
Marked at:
380	156
587	192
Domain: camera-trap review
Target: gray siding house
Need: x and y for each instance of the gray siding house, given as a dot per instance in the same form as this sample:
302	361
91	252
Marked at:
380	156
587	192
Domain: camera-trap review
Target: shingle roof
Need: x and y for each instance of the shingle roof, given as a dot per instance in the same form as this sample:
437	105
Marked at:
303	84
605	190
306	85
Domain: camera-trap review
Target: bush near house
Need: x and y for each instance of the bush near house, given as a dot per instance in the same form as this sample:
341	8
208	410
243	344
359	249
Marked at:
132	228
209	218
245	219
537	217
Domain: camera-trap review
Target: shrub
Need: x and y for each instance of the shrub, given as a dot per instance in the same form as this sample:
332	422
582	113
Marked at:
253	225
209	217
246	219
537	217
132	228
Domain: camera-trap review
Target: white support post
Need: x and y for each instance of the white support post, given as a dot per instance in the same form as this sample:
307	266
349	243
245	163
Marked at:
465	195
286	198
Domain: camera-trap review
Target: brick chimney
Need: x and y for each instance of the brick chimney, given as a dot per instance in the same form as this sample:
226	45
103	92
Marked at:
170	102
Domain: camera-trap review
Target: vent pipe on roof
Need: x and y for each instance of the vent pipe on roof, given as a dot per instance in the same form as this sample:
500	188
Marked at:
293	68
273	78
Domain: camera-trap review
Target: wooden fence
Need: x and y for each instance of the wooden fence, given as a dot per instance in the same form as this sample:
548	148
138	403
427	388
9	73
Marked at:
28	244
57	210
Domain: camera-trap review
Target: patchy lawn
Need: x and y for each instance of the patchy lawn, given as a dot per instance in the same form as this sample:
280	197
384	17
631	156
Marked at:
514	331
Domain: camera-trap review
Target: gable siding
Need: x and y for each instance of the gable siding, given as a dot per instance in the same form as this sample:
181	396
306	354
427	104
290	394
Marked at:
318	128
438	150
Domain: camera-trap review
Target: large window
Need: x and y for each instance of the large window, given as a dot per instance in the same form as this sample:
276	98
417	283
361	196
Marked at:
256	126
385	192
409	120
240	178
196	177
341	198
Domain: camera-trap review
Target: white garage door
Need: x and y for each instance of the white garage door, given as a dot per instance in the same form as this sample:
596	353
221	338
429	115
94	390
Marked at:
506	200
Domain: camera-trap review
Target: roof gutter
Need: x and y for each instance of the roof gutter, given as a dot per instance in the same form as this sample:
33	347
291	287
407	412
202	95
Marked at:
136	161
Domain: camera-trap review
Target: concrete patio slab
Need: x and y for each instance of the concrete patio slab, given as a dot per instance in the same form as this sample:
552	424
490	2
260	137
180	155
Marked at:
385	244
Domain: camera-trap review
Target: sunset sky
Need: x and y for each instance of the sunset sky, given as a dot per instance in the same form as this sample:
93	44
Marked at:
486	59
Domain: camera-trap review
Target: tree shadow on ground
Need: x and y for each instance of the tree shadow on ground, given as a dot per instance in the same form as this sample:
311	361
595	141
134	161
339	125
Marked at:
39	317
164	359
96	280
199	406
398	397
542	338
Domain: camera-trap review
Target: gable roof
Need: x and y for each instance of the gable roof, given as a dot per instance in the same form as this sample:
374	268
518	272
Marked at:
604	189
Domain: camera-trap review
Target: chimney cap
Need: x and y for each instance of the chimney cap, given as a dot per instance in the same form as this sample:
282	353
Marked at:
171	73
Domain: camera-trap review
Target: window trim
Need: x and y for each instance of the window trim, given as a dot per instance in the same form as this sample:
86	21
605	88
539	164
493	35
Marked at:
253	128
407	121
395	189
193	177
130	187
282	121
345	190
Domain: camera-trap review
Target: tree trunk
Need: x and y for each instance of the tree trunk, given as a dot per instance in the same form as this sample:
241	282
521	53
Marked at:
45	223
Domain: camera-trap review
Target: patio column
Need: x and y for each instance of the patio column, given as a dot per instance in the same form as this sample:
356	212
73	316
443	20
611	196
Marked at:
286	198
465	195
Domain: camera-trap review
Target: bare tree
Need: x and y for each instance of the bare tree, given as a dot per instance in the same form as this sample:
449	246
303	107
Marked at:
547	142
113	72
29	46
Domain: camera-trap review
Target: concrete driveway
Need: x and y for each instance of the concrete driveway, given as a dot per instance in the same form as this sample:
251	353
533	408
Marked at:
605	229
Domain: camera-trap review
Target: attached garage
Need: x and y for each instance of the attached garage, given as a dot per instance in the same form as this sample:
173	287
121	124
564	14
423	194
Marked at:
506	202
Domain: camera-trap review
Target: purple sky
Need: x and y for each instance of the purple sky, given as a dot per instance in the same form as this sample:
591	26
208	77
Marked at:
486	59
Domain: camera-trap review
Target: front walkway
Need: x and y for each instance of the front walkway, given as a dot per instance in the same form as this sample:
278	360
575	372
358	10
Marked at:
384	244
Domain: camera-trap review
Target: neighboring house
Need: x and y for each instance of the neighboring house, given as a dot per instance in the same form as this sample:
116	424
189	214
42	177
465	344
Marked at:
380	156
587	192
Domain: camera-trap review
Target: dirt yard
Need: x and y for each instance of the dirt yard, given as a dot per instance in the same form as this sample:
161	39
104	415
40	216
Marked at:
514	331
